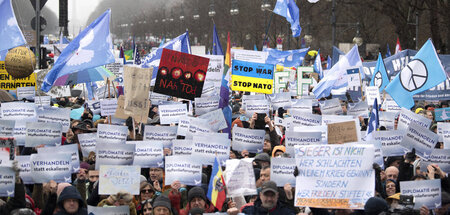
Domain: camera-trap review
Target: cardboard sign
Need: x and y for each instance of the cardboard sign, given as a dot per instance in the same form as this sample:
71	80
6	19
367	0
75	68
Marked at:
184	169
334	176
7	82
342	132
38	133
136	83
181	75
117	178
240	178
420	138
56	167
169	114
390	142
139	116
425	192
249	139
282	171
252	77
108	107
406	117
114	154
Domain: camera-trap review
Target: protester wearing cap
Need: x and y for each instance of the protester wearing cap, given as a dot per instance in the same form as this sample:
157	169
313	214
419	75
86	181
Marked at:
375	206
197	199
262	160
161	206
268	202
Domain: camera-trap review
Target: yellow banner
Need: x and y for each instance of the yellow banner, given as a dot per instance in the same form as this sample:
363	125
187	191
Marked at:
7	82
249	84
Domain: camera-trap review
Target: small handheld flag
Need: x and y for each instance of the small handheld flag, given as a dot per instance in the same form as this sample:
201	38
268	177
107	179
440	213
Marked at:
216	189
374	121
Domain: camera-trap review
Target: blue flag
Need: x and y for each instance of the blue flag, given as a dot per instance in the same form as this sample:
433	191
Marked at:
336	53
388	51
286	58
90	49
289	10
10	34
137	57
3	55
318	65
374	121
255	48
46	40
162	42
329	62
423	72
217	48
181	44
380	77
337	76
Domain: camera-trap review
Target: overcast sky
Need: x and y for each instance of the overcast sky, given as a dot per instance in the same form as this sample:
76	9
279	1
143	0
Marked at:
79	11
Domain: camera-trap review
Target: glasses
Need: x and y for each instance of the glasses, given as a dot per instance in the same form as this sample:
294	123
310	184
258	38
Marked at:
146	191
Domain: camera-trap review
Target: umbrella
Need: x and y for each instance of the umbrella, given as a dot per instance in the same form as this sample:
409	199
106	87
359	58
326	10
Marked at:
89	75
5	96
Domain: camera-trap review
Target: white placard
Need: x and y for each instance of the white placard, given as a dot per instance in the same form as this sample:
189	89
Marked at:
108	107
240	178
169	114
111	133
119	178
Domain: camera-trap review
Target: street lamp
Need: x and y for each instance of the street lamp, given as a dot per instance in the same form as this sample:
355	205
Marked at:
358	40
234	8
308	37
211	12
265	5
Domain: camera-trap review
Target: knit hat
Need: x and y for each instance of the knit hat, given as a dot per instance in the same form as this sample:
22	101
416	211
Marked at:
262	157
84	165
196	192
267	137
162	201
278	148
61	187
375	205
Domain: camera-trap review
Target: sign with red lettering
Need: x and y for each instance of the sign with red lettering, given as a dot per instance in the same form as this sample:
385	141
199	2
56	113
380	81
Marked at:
181	75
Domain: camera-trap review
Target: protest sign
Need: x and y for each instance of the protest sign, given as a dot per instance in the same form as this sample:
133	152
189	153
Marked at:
278	121
115	210
7	182
378	153
441	157
207	147
209	90
184	169
138	116
331	107
8	82
257	106
94	106
215	71
39	133
67	149
304	105
23	161
252	77
358	109
26	93
425	192
372	93
239	177
136	83
334	176
108	107
119	178
181	75
282	171
20	129
280	81
156	98
164	134
206	104
390	142
4	157
251	98
114	154
55	115
301	138
111	133
390	105
304	79
406	116
148	154
7	128
183	125
87	143
117	69
441	114
321	128
40	101
327	119
18	110
182	147
387	119
169	114
419	138
250	139
249	55
443	128
56	167
198	126
280	100
10	144
342	132
215	119
300	118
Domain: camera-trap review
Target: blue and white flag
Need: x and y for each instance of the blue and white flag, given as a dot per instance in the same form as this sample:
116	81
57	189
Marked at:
380	77
337	76
289	10
329	62
46	40
423	72
388	51
217	48
374	121
181	44
10	34
318	65
286	58
336	53
90	49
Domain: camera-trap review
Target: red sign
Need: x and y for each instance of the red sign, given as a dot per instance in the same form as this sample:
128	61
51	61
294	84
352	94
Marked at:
181	75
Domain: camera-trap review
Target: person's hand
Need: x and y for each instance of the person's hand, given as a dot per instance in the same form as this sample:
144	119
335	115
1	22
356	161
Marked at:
253	119
244	153
176	185
231	204
288	191
410	157
431	171
424	210
232	211
267	120
167	151
53	186
438	170
157	186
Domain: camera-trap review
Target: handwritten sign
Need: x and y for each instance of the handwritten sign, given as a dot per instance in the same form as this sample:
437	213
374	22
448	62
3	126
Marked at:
111	133
148	154
240	178
301	138
282	171
208	147
184	169
56	167
136	83
38	133
117	178
425	192
114	154
169	114
138	116
342	132
390	142
420	138
334	176
249	139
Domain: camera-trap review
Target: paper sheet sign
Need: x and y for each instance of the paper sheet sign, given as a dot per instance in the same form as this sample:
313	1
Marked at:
181	75
252	77
116	178
342	132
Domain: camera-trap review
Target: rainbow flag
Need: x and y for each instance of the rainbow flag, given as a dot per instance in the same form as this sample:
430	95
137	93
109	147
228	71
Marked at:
216	188
225	90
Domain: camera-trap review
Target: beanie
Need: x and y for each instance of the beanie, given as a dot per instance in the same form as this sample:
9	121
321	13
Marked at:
196	192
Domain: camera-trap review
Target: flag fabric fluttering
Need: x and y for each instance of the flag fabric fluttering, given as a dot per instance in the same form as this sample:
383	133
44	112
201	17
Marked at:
216	189
336	53
388	51
216	48
225	90
379	77
180	43
290	58
374	121
289	10
162	42
137	57
398	48
318	65
423	72
90	49
128	54
10	33
255	48
329	62
336	78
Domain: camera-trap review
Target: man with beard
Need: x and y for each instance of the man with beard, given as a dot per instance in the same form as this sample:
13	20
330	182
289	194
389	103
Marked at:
267	202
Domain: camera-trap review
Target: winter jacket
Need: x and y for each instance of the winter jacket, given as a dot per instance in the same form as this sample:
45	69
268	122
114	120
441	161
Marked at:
18	201
71	192
257	209
105	202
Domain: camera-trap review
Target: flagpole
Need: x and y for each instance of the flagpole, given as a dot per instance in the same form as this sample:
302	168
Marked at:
360	82
267	28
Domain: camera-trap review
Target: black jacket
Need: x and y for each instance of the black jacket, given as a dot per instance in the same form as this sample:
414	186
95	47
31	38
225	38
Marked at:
18	201
257	209
71	192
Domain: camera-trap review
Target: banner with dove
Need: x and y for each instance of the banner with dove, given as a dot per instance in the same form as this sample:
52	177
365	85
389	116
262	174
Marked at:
426	192
148	154
56	167
7	182
184	169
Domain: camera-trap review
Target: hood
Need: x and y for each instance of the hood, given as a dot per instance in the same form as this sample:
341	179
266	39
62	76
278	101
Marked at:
70	192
